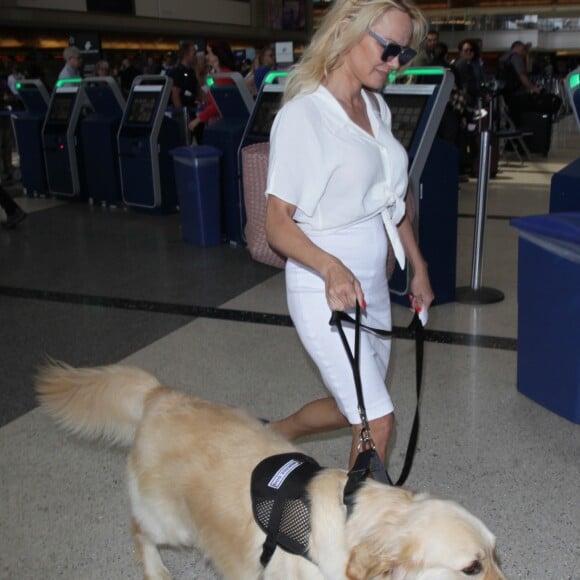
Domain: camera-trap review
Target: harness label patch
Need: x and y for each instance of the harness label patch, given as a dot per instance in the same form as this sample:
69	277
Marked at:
280	476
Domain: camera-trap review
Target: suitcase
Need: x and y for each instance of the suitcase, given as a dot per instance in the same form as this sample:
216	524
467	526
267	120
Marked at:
540	125
254	174
543	103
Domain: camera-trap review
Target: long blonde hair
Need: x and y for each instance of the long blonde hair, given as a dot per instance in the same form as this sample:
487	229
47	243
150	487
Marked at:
343	26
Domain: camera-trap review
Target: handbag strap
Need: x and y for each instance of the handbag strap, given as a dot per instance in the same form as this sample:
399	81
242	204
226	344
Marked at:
366	442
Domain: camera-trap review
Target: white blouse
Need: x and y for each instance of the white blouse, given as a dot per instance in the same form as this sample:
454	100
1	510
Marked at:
334	172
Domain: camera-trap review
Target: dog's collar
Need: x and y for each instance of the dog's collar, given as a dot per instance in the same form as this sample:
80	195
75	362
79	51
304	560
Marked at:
367	463
280	503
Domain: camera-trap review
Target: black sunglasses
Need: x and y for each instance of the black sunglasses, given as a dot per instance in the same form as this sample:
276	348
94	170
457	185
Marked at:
392	50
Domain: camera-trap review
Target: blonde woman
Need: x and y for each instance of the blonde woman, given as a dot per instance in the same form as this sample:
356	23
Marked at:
336	190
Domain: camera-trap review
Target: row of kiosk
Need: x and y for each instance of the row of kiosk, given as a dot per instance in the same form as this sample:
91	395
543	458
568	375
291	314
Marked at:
86	143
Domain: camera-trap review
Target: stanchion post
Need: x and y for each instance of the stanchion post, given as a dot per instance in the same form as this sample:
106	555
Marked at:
476	293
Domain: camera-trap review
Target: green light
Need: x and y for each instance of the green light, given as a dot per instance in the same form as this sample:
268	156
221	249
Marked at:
429	71
574	81
423	71
18	86
210	81
273	75
63	82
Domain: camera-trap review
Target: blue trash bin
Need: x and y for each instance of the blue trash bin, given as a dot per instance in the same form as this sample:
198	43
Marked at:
197	179
548	368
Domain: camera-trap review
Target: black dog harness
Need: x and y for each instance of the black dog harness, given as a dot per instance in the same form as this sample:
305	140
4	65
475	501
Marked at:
280	503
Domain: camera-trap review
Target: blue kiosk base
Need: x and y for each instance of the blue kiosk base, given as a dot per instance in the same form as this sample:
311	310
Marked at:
565	189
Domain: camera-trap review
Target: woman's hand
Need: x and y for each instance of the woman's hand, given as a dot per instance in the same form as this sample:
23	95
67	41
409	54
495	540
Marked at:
343	290
421	292
283	234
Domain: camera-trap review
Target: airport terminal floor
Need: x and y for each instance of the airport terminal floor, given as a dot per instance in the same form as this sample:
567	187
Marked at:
93	286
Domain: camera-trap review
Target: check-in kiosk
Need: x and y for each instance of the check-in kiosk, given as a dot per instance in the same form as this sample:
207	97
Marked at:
572	87
99	139
234	104
433	176
60	141
565	186
28	131
146	135
267	105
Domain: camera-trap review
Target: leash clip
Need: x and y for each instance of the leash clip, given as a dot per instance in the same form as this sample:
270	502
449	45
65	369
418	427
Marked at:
365	440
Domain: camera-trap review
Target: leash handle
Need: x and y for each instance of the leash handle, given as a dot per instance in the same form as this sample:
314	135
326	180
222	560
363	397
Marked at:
338	316
365	438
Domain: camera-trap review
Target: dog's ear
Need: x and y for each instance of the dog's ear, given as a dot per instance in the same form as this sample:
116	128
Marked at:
375	531
387	550
365	562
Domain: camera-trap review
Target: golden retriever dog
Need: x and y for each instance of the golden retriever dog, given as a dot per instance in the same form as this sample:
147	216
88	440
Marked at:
189	473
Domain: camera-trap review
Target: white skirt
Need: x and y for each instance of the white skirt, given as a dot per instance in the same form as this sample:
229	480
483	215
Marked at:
363	249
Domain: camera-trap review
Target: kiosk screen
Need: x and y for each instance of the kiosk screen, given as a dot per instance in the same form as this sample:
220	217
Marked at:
61	106
142	108
406	111
263	117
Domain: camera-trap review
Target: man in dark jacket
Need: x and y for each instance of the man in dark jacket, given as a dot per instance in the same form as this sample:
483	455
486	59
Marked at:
517	85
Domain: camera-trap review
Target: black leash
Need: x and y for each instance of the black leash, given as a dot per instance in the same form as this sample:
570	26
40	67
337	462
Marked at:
368	462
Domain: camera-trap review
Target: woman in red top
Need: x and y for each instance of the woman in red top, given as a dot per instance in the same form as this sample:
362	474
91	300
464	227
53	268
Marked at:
220	59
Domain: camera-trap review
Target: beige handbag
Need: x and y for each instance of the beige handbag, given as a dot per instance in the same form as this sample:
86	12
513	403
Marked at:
254	172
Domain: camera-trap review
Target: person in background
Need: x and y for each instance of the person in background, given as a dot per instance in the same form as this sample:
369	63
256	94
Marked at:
479	63
425	55
517	86
467	80
127	74
220	59
167	63
440	55
186	92
267	64
249	78
15	75
14	213
152	65
245	67
336	188
102	69
72	63
450	121
466	70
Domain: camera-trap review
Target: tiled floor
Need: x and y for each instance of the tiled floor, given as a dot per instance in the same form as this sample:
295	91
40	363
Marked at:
91	286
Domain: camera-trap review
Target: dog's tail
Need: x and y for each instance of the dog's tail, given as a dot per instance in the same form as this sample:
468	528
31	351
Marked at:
102	402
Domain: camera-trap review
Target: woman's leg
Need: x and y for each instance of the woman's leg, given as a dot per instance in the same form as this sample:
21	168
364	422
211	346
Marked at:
315	417
381	430
323	415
